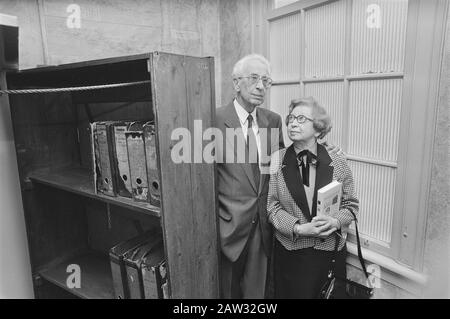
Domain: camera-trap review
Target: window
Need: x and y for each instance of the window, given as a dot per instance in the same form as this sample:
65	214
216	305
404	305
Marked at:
359	59
282	3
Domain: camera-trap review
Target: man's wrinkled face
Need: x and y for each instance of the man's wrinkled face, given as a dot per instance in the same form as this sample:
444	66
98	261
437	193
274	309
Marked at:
249	91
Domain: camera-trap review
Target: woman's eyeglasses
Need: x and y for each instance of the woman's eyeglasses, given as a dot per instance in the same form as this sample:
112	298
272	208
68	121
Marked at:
301	119
254	79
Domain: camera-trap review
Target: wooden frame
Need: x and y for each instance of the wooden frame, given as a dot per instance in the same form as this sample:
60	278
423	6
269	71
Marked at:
67	222
422	73
295	7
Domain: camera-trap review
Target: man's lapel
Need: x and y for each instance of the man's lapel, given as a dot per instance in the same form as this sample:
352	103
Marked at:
266	147
232	121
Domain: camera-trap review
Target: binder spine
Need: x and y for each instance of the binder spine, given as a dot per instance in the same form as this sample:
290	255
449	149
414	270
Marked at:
154	277
152	165
138	169
105	182
135	285
120	159
119	277
161	279
95	155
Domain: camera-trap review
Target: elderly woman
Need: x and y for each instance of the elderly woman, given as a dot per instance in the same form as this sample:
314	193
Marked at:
305	242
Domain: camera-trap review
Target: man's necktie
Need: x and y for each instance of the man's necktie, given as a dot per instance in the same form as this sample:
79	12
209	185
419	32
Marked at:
252	149
305	158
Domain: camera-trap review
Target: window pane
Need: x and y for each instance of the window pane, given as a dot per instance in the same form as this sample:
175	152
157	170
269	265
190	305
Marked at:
378	36
285	48
331	96
280	98
282	3
375	186
325	40
374	118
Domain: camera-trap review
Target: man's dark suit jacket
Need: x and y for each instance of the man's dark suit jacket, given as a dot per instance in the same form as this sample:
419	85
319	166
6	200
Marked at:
239	201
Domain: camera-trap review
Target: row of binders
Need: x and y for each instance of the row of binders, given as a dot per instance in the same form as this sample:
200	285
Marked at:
125	161
138	268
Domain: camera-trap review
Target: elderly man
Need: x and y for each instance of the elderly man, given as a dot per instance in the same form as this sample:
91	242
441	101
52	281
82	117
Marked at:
246	236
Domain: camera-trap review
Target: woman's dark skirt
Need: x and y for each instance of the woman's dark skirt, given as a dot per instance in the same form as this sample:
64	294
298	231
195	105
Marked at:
300	274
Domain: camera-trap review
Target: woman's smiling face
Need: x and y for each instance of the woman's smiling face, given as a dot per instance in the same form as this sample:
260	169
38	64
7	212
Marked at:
302	131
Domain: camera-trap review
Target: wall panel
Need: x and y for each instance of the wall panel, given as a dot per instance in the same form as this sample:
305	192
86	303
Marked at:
374	119
285	48
325	40
331	96
375	186
378	36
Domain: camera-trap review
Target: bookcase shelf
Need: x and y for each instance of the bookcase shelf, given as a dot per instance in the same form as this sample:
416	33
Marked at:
80	181
95	276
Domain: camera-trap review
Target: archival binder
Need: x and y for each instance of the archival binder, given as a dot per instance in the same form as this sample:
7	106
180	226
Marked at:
104	170
136	159
165	290
154	274
116	256
121	164
133	260
154	195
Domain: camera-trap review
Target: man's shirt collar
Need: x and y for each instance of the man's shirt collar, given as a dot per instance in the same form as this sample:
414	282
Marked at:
243	114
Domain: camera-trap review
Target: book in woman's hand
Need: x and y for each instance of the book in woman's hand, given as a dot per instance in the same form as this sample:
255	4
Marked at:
329	199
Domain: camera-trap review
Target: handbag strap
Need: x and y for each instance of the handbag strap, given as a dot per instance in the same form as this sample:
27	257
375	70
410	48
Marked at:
335	254
360	257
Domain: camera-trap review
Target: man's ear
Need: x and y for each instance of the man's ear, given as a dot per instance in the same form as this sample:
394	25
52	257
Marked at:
236	85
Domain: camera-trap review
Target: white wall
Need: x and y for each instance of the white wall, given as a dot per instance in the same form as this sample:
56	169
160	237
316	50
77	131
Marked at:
15	273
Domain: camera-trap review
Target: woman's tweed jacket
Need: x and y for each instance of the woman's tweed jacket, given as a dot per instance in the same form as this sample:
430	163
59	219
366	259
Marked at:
287	204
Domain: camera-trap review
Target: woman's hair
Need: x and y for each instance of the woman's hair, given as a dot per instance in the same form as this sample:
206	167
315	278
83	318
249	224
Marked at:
238	68
322	121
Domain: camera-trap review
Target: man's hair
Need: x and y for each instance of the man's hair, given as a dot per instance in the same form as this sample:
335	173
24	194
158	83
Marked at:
238	68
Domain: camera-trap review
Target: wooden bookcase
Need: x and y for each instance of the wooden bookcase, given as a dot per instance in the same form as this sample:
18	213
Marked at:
67	222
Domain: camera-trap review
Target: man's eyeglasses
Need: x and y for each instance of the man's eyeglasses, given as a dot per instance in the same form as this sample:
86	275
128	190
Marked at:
253	79
301	119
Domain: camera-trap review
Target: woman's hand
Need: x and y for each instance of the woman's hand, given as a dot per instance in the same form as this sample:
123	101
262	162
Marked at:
316	228
329	221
